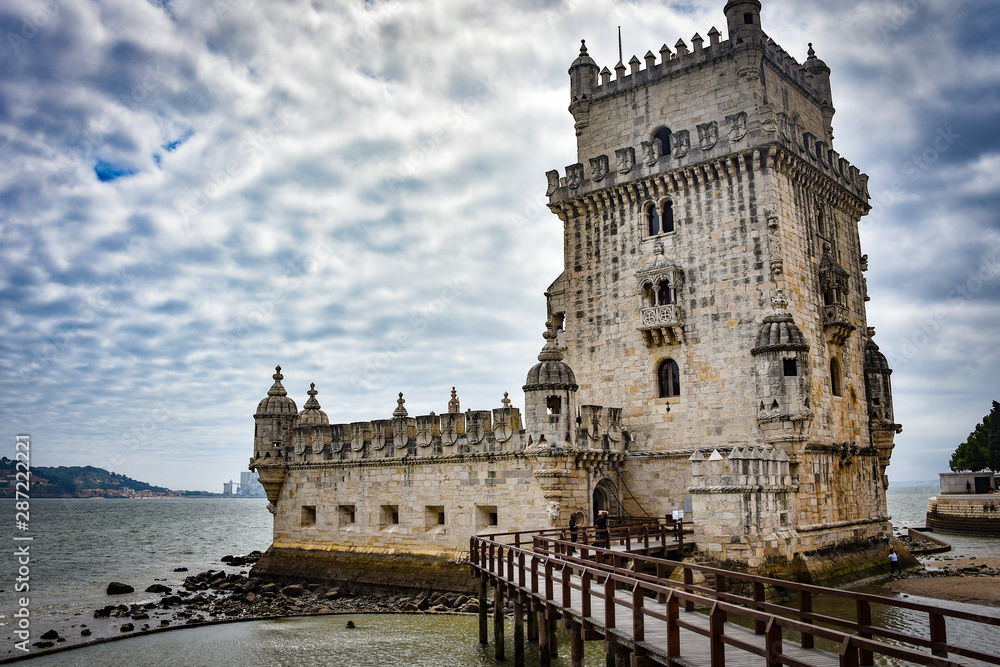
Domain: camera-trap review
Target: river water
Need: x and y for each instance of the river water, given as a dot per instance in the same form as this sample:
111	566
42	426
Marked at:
80	545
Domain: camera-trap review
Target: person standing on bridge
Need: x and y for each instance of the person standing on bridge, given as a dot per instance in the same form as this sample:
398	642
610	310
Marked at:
894	563
602	529
574	530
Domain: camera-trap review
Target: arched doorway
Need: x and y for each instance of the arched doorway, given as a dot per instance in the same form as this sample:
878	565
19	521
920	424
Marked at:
605	497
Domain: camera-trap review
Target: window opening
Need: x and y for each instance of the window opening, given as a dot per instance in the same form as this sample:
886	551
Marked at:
670	379
791	368
663	136
748	19
663	294
552	404
667	219
835	379
308	515
652	220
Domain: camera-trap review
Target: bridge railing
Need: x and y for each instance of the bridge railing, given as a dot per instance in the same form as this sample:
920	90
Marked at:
604	571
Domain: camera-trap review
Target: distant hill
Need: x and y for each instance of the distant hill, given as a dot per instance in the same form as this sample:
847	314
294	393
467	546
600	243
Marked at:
73	481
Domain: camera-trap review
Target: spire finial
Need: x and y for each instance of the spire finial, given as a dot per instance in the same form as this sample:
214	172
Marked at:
453	405
583	47
400	411
812	53
312	403
277	389
550	352
506	400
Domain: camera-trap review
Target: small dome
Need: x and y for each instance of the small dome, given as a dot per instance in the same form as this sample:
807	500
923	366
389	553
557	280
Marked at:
778	333
551	372
311	415
875	361
584	57
277	401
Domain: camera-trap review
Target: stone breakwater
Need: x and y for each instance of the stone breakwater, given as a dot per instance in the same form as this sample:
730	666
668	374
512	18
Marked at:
215	596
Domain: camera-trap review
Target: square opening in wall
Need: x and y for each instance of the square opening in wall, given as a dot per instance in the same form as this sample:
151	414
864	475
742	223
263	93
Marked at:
388	515
791	368
346	514
308	517
486	517
433	516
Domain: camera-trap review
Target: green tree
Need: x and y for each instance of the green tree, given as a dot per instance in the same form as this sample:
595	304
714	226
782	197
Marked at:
982	450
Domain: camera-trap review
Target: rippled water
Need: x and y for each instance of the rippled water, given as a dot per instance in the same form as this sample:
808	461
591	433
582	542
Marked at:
81	545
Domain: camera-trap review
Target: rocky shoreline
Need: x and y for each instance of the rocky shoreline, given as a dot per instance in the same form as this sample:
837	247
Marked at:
215	596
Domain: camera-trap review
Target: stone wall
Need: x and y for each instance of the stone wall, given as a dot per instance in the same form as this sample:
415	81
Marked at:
977	514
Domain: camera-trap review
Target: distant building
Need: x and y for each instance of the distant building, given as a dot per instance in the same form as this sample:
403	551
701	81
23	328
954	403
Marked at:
250	487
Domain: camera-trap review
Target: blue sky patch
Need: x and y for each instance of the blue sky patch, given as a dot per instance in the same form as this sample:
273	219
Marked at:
109	171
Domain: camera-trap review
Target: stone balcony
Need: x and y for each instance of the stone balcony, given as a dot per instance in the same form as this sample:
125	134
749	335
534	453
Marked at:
836	323
661	325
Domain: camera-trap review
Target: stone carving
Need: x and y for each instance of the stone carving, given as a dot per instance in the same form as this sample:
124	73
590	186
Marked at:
574	175
358	436
553	179
626	159
651	152
381	433
318	445
737	126
425	430
477	423
682	143
614	422
452	424
599	168
400	432
554	508
300	445
708	135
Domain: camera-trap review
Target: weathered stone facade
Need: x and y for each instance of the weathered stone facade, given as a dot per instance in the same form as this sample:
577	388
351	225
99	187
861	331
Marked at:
713	295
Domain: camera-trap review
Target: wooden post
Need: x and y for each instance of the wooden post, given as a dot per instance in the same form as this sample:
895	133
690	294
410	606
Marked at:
806	607
721	588
716	622
609	653
673	630
576	645
939	634
623	656
688	581
759	627
532	625
865	658
498	638
638	615
661	575
553	636
518	630
773	639
483	620
609	602
585	594
848	654
544	639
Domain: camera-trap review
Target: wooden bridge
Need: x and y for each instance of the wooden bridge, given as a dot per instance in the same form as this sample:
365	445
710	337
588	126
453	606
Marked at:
648	610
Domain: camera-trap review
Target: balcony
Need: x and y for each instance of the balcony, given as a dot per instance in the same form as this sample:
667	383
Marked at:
661	325
836	324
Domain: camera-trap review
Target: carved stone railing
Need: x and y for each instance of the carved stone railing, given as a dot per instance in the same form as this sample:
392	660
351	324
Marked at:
836	323
662	325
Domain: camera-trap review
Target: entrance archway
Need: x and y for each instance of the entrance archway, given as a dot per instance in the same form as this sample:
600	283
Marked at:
605	497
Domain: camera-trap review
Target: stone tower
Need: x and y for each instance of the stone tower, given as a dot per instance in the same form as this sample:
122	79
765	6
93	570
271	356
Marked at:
713	288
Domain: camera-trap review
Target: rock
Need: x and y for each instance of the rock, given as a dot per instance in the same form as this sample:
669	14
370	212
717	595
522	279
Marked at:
350	625
170	600
462	600
118	588
269	588
128	627
471	607
140	616
227	559
333	594
51	634
180	569
408	606
158	588
104	612
164	623
43	644
292	591
85	633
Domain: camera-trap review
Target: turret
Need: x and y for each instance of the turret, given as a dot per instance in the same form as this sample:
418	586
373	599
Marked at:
819	74
582	82
746	36
550	397
781	358
743	17
273	420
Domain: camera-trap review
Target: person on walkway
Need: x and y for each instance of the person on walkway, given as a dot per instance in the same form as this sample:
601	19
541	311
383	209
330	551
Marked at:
574	532
602	529
894	563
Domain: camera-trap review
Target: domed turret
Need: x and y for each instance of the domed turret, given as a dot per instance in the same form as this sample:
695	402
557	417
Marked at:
273	420
781	358
550	396
311	415
582	82
276	402
819	73
778	333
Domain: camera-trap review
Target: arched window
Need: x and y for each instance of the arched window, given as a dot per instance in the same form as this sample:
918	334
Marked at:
667	218
663	136
836	383
663	294
649	296
652	220
669	379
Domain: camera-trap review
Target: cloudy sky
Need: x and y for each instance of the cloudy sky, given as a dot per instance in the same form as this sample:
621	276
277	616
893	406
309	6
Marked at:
193	192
